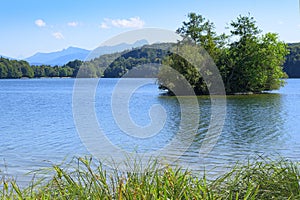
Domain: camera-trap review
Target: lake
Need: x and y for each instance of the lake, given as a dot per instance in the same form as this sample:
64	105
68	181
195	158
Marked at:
38	129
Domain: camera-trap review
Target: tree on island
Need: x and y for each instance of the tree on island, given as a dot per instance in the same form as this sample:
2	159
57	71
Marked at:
247	60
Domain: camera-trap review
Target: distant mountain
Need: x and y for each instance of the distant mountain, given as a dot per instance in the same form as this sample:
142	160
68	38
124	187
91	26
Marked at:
59	57
72	53
102	50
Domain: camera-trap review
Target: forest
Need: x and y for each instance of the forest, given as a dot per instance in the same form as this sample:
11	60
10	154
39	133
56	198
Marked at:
124	61
109	66
292	63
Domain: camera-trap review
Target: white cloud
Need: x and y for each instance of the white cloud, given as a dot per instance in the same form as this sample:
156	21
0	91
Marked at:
58	35
133	22
73	24
104	25
40	23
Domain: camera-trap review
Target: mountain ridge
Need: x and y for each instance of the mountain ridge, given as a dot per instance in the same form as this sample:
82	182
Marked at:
75	53
58	57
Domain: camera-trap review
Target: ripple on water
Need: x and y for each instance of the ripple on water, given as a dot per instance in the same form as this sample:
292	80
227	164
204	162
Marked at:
37	126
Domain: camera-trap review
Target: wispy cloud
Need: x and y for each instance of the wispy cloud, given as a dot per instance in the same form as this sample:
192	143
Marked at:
40	23
73	24
280	22
58	35
104	25
133	22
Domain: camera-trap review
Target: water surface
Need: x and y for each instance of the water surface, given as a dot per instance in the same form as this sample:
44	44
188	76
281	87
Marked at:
37	126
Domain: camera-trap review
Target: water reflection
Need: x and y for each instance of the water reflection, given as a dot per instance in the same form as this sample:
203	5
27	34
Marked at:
254	121
37	124
254	126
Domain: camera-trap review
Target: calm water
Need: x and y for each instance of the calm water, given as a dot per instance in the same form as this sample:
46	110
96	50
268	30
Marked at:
37	126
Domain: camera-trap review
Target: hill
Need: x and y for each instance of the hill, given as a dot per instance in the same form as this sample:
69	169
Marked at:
64	56
112	64
292	63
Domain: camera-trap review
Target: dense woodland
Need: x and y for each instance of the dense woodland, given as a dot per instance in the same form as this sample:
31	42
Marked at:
109	66
21	69
292	63
123	62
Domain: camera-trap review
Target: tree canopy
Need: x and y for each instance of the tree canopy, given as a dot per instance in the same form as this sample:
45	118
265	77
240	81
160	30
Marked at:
20	68
248	61
292	63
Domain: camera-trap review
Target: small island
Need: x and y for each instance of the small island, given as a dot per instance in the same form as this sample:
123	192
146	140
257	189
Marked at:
248	61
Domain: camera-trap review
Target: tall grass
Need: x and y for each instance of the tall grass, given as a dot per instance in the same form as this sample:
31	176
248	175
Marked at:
84	179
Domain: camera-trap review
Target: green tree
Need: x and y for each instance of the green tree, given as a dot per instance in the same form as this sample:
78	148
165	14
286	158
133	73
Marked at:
247	60
292	63
254	62
87	70
273	53
180	60
13	71
199	35
3	71
51	71
74	67
202	32
26	69
39	71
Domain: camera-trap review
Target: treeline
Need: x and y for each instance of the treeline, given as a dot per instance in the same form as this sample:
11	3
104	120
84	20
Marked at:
292	63
147	57
144	60
117	64
18	69
109	66
13	69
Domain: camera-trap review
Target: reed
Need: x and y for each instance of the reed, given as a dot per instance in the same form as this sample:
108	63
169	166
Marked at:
83	178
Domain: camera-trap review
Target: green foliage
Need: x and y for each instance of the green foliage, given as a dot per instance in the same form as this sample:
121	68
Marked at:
148	54
180	60
26	70
84	179
110	66
245	28
265	179
14	68
292	64
247	61
255	61
201	31
19	69
87	70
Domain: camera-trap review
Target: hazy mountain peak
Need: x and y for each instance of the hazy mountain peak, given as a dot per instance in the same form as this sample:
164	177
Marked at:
72	53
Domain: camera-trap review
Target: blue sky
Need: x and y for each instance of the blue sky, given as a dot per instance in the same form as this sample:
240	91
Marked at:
30	26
